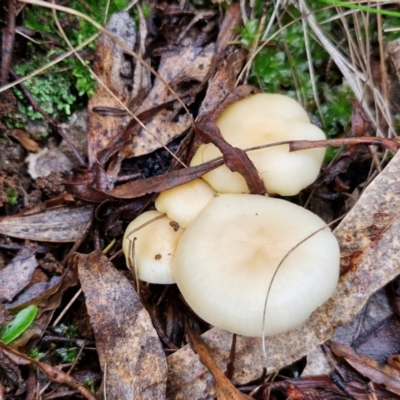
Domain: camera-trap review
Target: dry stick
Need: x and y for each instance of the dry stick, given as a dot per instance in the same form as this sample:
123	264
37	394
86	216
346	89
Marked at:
48	118
8	42
295	145
125	48
67	307
311	69
276	272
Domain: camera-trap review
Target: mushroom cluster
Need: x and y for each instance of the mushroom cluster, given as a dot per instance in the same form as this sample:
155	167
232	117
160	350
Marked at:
228	250
259	120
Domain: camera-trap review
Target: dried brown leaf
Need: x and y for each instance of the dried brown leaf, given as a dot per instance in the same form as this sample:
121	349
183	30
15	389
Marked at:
376	372
185	63
47	295
133	127
16	275
370	246
135	189
222	86
112	66
26	142
360	124
322	387
229	27
35	293
235	159
57	225
224	389
130	352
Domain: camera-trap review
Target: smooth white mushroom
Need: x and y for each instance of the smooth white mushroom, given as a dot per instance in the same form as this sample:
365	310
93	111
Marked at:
226	258
155	238
183	203
262	119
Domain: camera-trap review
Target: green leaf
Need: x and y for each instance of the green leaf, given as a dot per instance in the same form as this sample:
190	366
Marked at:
19	324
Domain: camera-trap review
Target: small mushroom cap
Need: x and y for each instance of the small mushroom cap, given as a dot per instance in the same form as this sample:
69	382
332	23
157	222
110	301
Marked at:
154	246
183	203
258	120
226	258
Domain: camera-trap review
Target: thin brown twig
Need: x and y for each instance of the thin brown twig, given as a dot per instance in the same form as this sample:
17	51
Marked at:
8	42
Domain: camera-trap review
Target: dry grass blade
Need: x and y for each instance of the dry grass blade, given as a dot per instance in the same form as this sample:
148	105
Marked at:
356	74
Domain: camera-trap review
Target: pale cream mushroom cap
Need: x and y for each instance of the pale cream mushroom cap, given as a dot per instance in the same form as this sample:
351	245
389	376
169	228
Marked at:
262	119
226	258
154	246
183	203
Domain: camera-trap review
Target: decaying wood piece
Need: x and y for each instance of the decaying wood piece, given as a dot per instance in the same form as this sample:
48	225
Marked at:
370	246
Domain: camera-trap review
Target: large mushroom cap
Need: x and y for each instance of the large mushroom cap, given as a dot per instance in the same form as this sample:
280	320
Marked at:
226	258
258	120
155	238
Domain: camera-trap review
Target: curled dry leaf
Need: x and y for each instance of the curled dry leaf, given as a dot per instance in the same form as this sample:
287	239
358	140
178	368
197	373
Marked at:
135	189
57	225
323	387
370	247
26	142
376	372
130	352
16	275
235	159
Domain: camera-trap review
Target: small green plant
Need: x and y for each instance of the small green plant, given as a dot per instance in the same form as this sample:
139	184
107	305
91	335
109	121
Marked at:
12	196
19	324
64	330
51	90
68	354
90	384
36	354
77	30
59	90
